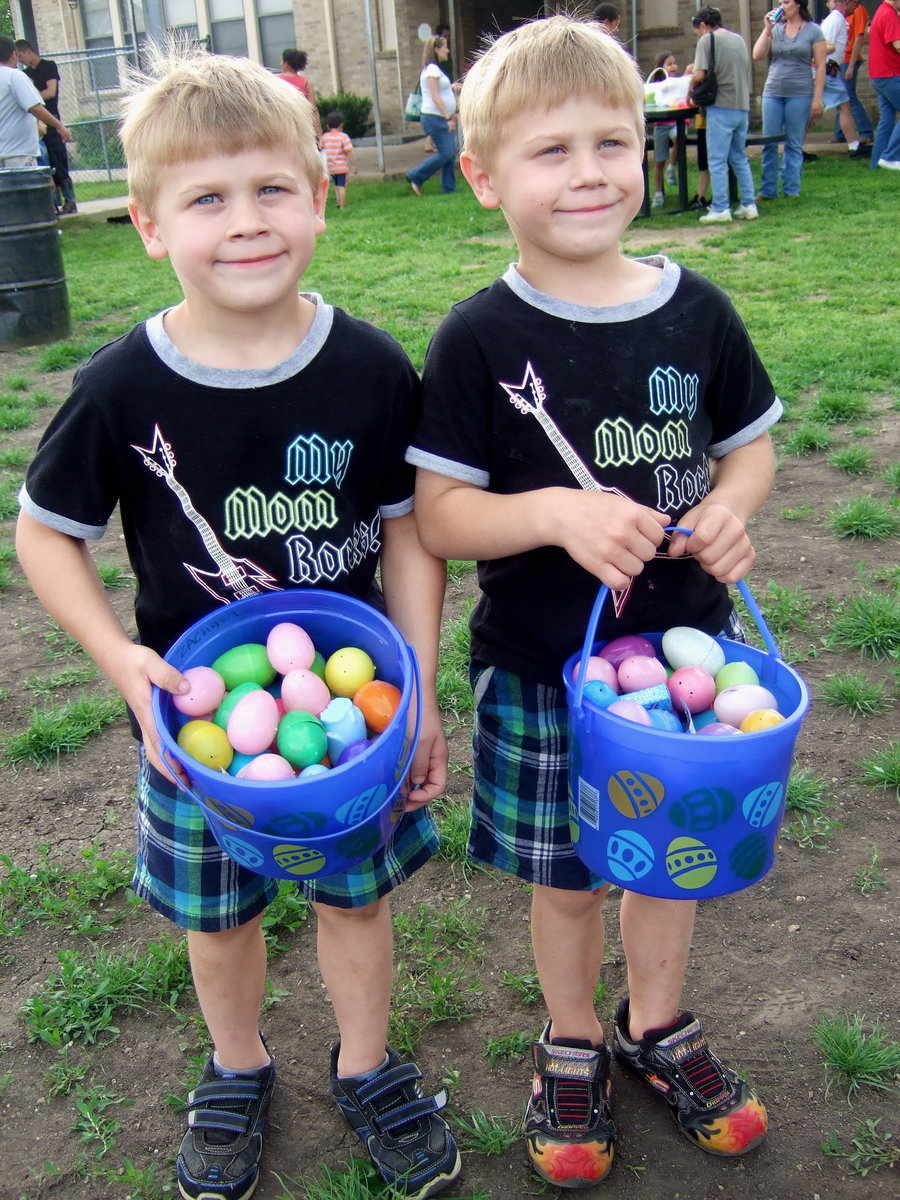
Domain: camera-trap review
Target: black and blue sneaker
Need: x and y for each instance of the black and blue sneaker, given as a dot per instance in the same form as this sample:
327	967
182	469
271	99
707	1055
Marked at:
219	1154
411	1145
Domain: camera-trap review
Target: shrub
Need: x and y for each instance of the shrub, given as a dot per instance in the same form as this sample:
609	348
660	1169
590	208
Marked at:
356	111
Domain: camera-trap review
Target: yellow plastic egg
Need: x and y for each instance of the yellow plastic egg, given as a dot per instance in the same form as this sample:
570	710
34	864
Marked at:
207	743
759	719
347	670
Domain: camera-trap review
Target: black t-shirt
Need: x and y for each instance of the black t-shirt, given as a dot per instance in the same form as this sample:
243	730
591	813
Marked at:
40	76
522	391
230	483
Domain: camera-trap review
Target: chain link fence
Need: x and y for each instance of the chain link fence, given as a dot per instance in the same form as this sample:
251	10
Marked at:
90	92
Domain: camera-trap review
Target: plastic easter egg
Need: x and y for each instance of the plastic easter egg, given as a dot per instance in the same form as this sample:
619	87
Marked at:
253	722
312	771
687	647
630	711
734	673
600	693
225	709
717	729
352	751
621	648
302	689
247	663
207	743
378	701
735	703
707	717
237	764
288	646
206	694
598	668
640	671
301	738
691	688
317	666
347	670
344	724
662	718
267	767
760	719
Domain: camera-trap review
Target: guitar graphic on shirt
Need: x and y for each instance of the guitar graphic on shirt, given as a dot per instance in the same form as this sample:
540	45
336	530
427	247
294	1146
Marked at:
235	578
534	406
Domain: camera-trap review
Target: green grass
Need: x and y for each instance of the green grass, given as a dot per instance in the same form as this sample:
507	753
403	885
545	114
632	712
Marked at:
882	769
870	1149
853	690
856	1055
864	518
869	623
63	729
852	460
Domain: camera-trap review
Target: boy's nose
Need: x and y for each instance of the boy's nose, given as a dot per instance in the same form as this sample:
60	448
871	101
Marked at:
247	218
588	170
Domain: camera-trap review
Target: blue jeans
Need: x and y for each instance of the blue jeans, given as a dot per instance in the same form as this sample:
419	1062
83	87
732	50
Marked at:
887	135
860	116
445	144
790	115
726	136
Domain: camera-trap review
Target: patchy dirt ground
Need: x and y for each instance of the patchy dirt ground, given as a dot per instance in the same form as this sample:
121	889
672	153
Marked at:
765	964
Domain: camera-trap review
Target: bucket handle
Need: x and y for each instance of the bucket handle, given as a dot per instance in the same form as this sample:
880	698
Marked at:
173	764
752	606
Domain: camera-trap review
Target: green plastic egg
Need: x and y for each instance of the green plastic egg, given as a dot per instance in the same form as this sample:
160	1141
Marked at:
248	663
301	738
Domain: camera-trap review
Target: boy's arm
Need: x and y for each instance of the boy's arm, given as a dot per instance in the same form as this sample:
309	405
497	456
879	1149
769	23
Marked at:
65	580
413	582
609	535
742	480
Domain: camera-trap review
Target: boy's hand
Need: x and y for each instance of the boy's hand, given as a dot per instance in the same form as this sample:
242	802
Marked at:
428	771
719	542
140	668
610	536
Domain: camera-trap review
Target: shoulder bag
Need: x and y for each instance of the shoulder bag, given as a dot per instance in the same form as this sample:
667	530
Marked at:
704	93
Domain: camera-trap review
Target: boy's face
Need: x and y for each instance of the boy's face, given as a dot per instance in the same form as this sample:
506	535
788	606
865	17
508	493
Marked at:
240	229
569	181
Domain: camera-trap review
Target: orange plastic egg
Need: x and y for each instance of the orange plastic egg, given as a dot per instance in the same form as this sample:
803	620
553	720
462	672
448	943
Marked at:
377	701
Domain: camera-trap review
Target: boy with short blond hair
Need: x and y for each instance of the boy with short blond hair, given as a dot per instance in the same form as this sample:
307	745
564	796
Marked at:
216	426
573	410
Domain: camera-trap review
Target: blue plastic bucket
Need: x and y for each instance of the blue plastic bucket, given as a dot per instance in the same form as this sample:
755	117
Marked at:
676	815
326	823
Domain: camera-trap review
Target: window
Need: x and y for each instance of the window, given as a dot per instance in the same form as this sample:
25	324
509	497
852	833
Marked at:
226	25
276	30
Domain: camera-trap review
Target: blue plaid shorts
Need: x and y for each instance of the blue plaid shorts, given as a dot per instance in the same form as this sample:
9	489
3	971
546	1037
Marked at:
182	872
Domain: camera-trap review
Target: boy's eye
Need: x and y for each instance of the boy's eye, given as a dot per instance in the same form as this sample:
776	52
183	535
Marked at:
271	189
208	198
558	149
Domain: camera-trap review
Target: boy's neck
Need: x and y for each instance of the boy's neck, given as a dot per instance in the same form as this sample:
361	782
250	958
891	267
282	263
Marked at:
592	284
238	340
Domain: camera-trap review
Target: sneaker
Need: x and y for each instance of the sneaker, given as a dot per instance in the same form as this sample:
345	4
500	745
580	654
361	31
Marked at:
862	151
70	207
568	1127
762	198
671	177
698	204
746	212
219	1155
807	157
411	1146
658	200
712	1106
887	165
716	216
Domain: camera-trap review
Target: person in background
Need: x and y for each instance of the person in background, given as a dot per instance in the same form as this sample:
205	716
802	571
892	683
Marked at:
884	72
728	119
835	94
21	108
44	74
338	150
293	64
664	151
608	17
857	36
792	93
438	119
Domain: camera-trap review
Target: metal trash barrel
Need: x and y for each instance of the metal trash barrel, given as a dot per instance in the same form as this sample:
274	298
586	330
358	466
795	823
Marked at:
34	302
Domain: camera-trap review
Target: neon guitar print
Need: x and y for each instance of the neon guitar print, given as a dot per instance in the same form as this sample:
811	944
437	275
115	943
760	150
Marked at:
235	578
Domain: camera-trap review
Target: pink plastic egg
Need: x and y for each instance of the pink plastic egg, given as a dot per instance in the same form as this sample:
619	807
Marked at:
621	648
206	694
736	703
598	668
631	711
267	767
288	646
640	671
691	688
301	689
253	722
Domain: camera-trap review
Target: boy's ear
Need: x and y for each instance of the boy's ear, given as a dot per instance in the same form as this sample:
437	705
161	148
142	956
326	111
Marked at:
146	227
479	180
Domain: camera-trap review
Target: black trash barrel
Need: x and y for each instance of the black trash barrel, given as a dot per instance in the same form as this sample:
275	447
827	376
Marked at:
34	303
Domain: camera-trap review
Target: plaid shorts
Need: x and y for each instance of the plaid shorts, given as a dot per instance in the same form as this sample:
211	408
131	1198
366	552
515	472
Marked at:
182	872
520	803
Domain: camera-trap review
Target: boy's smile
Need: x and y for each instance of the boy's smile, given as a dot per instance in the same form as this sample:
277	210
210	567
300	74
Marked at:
239	228
569	181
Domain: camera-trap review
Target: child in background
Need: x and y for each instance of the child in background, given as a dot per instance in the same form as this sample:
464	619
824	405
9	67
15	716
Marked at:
571	411
338	154
248	386
664	150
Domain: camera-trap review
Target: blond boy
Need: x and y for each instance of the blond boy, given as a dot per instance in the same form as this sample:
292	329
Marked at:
209	425
572	410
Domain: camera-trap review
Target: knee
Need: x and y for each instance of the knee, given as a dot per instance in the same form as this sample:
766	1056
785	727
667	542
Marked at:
367	914
569	904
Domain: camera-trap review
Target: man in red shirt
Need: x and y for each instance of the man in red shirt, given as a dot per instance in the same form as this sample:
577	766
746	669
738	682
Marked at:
884	71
